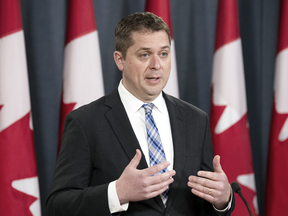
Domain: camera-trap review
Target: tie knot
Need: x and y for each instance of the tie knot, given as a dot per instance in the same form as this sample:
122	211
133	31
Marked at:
148	107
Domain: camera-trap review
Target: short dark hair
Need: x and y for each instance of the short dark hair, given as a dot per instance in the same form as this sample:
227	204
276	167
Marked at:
137	22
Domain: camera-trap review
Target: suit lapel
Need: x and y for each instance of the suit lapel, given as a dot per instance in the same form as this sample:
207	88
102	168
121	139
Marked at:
120	124
178	135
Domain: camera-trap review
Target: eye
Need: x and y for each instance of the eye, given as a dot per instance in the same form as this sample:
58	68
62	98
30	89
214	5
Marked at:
164	54
144	55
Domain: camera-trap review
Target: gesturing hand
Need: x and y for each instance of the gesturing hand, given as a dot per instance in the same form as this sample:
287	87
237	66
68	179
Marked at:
136	185
213	187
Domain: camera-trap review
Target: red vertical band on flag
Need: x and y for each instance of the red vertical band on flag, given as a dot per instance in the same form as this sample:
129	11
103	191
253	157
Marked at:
10	17
161	8
17	161
80	19
283	27
228	31
277	166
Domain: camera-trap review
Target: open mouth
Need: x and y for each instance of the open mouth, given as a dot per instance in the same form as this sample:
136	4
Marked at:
153	78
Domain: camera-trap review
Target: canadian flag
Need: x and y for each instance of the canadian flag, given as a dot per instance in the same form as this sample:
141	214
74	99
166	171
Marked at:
277	172
161	8
82	76
19	180
229	121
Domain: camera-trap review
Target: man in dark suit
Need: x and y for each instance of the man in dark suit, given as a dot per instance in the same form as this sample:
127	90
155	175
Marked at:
106	165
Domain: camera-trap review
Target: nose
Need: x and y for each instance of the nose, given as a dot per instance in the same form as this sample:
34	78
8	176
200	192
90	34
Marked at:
155	63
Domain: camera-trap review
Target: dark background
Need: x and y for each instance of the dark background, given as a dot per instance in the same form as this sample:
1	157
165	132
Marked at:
194	33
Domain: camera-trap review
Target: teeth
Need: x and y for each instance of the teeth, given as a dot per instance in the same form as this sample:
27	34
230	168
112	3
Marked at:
153	78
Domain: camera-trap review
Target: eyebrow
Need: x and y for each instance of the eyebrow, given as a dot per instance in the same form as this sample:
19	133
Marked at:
146	48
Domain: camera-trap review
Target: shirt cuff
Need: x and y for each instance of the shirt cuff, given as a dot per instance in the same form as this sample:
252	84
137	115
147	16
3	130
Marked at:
228	206
113	200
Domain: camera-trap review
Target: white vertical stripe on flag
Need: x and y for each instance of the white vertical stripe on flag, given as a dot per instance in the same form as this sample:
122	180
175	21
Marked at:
83	81
14	89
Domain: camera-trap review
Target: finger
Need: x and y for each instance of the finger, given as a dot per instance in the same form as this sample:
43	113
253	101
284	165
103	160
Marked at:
207	175
205	192
200	183
157	168
206	196
136	159
216	164
155	193
167	176
201	188
161	187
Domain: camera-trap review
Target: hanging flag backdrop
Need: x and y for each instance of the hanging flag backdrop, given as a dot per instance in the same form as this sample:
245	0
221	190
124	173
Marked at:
229	121
82	76
277	172
19	189
161	8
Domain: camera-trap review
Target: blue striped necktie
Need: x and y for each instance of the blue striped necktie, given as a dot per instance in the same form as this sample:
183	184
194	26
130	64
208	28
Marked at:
156	151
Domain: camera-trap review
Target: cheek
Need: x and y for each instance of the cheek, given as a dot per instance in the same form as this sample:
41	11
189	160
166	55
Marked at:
166	66
167	71
136	70
139	71
132	75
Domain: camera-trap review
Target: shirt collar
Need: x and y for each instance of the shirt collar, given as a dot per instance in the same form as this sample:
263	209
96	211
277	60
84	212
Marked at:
133	104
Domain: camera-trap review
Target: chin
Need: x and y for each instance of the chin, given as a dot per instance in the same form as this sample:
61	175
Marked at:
154	93
154	90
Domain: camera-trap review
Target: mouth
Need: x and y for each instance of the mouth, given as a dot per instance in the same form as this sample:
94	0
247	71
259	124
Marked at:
153	78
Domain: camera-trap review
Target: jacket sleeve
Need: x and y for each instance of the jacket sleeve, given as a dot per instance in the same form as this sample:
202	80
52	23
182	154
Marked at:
70	189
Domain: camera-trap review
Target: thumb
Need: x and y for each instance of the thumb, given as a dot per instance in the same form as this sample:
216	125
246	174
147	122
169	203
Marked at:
136	159
216	164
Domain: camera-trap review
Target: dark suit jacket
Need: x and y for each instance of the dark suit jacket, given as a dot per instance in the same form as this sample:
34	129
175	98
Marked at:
99	142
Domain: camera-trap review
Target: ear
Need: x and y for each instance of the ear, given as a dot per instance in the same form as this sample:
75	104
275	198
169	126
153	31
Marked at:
119	60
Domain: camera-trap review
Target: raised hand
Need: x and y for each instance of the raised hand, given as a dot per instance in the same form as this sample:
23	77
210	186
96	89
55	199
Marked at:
136	185
212	186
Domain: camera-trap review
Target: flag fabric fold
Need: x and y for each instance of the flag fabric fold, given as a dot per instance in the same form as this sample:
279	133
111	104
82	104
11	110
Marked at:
277	168
82	76
229	120
161	8
18	170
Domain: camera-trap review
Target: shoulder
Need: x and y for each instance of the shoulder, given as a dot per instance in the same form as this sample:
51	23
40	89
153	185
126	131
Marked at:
97	107
182	106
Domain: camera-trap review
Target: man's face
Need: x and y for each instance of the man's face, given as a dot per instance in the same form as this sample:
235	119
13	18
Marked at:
147	65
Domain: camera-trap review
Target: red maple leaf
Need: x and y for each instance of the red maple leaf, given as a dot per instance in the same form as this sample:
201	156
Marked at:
277	171
17	161
233	145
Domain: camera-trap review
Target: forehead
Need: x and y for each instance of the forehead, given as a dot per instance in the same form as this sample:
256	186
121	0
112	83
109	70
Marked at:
150	39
